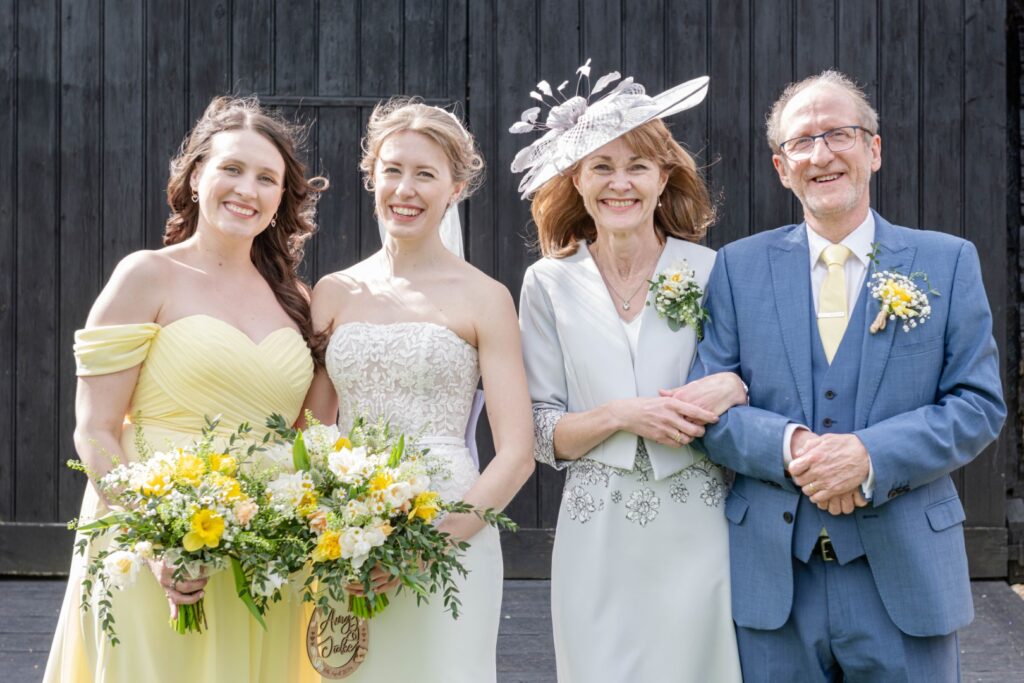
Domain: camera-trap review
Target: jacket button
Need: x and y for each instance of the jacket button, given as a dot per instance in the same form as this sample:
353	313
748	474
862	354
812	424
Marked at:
787	516
830	394
827	422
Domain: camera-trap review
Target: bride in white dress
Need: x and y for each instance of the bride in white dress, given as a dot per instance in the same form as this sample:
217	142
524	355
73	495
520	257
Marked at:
413	328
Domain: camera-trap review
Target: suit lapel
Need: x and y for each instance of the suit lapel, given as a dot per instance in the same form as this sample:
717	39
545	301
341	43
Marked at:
893	254
655	334
789	260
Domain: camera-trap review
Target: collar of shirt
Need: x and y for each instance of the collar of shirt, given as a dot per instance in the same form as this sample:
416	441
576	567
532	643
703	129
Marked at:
858	242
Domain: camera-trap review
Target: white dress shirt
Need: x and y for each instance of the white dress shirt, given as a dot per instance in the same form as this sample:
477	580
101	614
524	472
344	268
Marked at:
859	242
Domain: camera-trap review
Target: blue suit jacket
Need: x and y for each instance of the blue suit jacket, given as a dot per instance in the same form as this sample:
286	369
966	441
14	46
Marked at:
928	401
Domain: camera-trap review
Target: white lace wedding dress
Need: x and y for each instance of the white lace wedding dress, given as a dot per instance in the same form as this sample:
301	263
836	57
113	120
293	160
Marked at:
422	377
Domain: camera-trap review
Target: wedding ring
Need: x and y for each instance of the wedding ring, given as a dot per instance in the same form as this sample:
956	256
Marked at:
811	488
678	438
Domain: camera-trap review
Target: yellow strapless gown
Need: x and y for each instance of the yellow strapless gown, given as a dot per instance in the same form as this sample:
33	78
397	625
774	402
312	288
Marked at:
194	367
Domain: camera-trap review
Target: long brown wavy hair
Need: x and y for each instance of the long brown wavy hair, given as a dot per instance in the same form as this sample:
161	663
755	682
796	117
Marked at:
685	212
278	250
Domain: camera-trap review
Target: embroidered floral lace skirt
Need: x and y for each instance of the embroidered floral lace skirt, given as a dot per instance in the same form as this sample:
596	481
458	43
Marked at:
640	576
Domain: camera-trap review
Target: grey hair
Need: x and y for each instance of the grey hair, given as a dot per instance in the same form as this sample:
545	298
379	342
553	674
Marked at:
867	114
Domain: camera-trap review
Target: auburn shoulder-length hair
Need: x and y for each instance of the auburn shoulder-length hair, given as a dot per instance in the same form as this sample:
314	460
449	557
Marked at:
685	212
278	250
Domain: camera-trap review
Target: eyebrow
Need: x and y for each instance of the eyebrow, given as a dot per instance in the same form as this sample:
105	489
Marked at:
264	169
388	162
605	157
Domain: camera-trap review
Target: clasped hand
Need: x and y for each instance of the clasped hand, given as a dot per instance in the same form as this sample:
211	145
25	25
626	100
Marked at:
181	591
830	469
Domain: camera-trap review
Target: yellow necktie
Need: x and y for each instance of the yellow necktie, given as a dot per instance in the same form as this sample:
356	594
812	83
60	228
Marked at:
832	316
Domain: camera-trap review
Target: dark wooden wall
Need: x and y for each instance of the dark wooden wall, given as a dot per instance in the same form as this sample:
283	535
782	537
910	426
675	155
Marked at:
97	95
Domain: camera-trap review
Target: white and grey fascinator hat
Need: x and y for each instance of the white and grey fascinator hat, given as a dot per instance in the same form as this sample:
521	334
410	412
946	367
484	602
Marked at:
577	125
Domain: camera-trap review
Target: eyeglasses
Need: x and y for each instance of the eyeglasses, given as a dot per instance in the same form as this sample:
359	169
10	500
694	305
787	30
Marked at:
837	140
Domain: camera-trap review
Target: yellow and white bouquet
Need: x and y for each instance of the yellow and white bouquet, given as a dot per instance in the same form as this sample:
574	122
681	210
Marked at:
678	297
900	298
376	507
199	509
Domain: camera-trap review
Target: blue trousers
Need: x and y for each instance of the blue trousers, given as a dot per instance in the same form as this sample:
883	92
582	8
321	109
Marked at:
839	631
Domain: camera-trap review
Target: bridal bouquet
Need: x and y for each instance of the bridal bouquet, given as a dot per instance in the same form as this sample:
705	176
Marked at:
375	507
199	509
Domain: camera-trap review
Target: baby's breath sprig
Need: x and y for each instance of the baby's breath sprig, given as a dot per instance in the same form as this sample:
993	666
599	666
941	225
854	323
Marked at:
899	296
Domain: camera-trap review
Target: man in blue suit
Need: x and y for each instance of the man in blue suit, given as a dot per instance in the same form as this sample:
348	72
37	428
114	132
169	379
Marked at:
846	533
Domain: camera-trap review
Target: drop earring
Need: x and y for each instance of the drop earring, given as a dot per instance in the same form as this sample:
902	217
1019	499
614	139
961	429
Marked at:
195	197
273	221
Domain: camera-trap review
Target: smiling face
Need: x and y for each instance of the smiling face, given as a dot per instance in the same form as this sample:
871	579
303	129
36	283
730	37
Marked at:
413	184
620	189
833	187
239	183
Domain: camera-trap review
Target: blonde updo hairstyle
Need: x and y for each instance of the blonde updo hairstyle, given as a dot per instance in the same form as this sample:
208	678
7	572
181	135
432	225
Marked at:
685	211
400	114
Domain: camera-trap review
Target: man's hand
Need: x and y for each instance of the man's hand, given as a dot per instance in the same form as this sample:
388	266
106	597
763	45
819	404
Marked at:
830	467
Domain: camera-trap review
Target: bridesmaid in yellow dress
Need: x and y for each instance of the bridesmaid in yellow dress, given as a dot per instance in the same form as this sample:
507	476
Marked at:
216	322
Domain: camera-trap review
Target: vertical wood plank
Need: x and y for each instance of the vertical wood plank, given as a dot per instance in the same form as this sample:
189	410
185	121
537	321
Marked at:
425	48
124	164
815	36
898	109
601	40
488	129
338	212
81	190
643	43
729	112
295	48
985	224
380	48
941	115
166	100
686	33
252	38
8	251
772	68
338	43
36	334
209	62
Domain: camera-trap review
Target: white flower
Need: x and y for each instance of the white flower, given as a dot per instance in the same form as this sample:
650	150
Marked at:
320	439
121	567
144	549
273	456
354	546
398	493
349	465
287	489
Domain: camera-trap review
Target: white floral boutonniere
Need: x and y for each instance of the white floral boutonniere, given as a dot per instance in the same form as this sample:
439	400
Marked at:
900	297
677	298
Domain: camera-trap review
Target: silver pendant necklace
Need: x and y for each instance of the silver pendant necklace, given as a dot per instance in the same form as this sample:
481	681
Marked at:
626	305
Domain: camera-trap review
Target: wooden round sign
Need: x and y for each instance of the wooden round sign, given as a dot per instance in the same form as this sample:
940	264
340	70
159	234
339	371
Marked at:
336	643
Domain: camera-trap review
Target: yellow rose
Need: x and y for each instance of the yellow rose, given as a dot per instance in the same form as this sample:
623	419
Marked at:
207	528
189	468
341	444
223	463
426	506
328	547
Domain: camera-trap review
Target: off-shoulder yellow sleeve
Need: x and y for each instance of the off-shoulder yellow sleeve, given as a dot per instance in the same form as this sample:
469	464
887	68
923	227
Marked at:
112	348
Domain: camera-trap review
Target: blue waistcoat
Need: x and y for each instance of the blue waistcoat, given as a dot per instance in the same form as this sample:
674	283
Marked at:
835	395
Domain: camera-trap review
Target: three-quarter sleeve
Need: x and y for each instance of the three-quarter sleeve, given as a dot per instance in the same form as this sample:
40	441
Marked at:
112	348
545	369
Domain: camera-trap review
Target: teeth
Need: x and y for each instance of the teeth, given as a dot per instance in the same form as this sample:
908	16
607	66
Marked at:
824	178
620	202
404	211
241	210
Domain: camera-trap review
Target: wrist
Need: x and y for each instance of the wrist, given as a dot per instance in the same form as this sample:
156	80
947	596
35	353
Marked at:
615	415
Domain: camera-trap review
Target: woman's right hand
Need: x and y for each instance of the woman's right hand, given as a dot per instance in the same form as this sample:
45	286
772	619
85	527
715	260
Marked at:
380	580
181	592
663	419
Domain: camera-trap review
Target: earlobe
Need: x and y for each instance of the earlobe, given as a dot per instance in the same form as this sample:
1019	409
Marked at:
780	167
